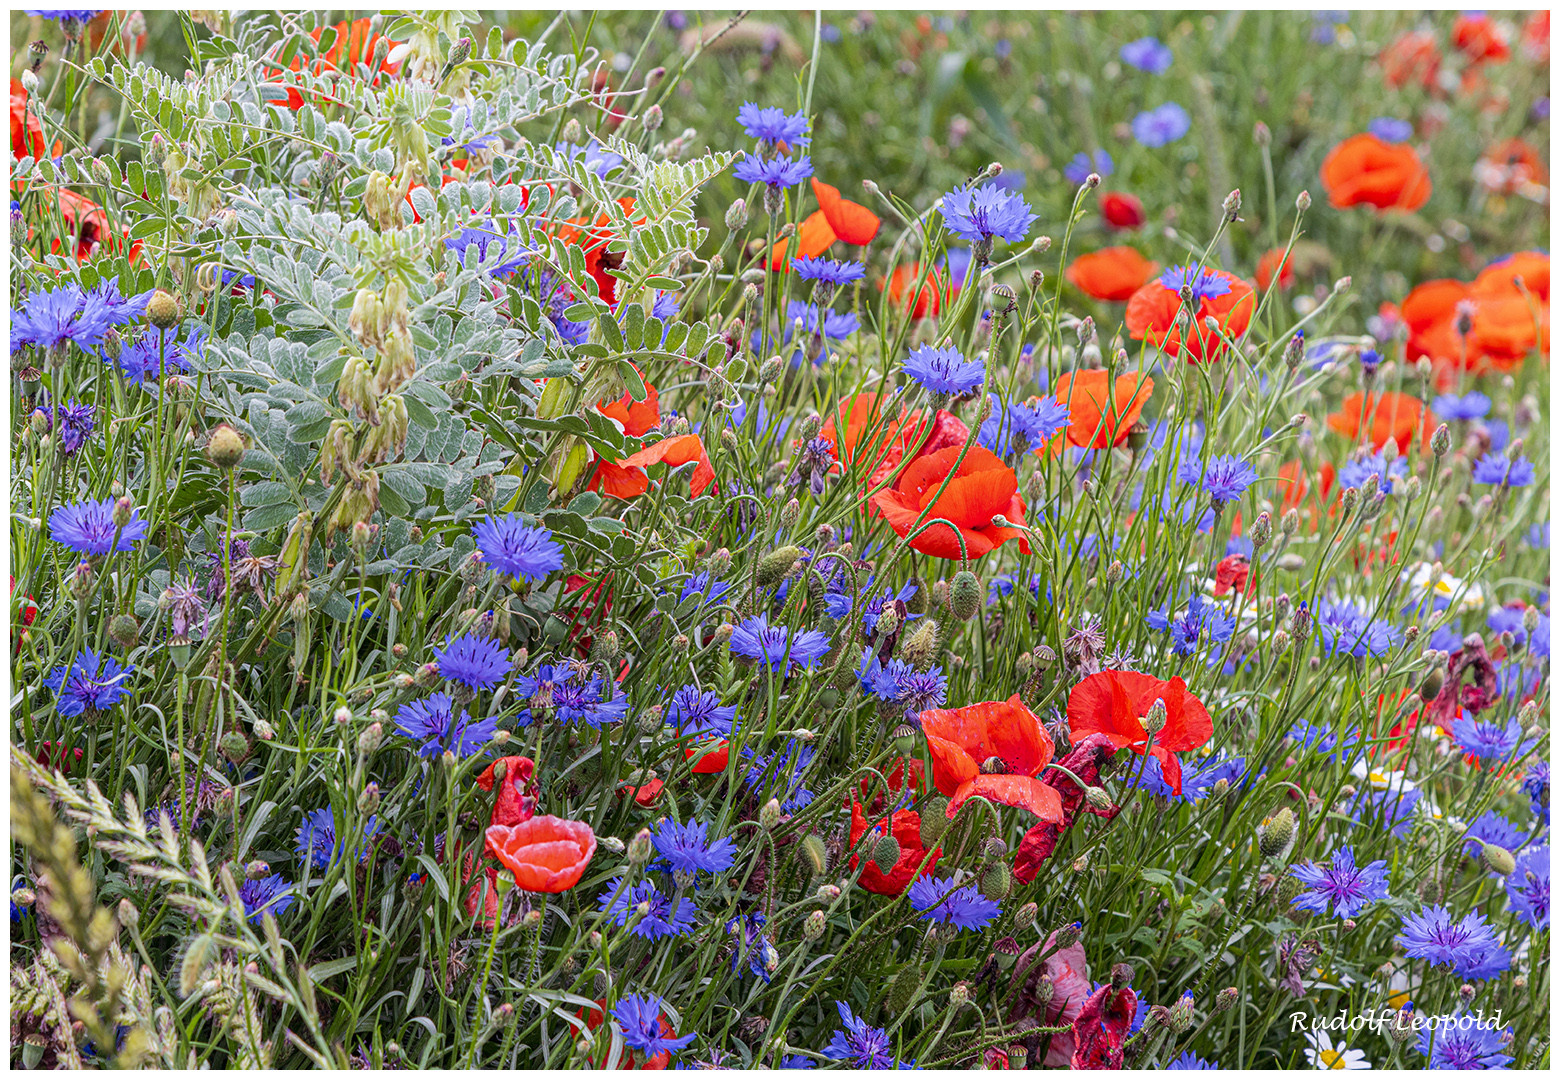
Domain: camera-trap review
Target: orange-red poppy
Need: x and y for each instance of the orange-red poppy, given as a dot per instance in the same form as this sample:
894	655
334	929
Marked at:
592	237
837	218
1273	259
1510	166
1364	170
1480	39
920	303
1097	421
1503	325
645	794
1501	277
1412	58
875	444
354	45
545	854
708	757
907	774
26	132
906	826
86	225
981	487
615	478
1154	313
1295	492
678	450
1122	211
1114	273
1392	417
517	790
1001	736
1114	703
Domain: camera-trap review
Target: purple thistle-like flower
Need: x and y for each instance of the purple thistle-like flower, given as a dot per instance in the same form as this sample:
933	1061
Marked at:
571	693
477	662
639	1015
1462	1042
1205	285
181	600
829	271
317	842
944	371
940	900
981	214
88	528
1393	808
1347	888
1161	126
1078	169
1147	54
1390	129
273	894
90	683
513	548
702	585
776	646
1225	479
753	946
1321	740
1527	887
1023	425
1191	1061
1362	467
1468	946
154	354
1497	469
859	1043
687	848
699	712
1489	740
771	125
663	918
777	173
440	725
121	309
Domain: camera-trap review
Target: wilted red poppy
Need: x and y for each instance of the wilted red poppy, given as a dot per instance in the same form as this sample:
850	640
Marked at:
26	132
1480	39
1122	211
1114	273
517	790
1273	259
1392	417
354	45
1365	170
901	285
1102	1026
1097	421
906	825
631	1059
963	743
1114	703
981	487
1510	166
1154	312
1231	574
1084	759
1412	58
545	854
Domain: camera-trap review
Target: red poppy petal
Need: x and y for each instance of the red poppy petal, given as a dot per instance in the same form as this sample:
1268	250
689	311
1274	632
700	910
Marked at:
1024	792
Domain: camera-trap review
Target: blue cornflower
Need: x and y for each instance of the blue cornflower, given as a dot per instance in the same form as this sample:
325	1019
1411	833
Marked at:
571	693
441	726
1468	946
61	15
1347	888
783	772
941	900
699	712
1535	785
499	255
828	271
513	548
1497	469
89	683
1321	740
687	850
639	1015
1078	169
1527	887
1187	629
88	528
153	355
753	946
1474	406
1189	1060
1462	1042
664	917
74	423
260	895
1393	807
1161	126
1389	129
1538	536
1225	479
318	843
1491	828
1023	425
773	125
979	214
1503	620
1385	468
1346	630
1499	433
1199	777
872	610
478	662
51	320
1147	54
701	584
797	1061
837	325
598	158
860	1044
944	371
776	646
1205	284
1489	740
900	684
121	309
777	173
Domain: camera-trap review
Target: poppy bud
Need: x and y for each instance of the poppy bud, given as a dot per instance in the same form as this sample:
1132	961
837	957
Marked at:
124	631
769	815
1499	860
162	310
225	449
814	925
996	881
1232	206
886	853
777	564
640	848
1275	833
1430	686
922	644
816	854
1097	797
887	622
1155	719
964	595
1288	889
903	989
1303	201
934	820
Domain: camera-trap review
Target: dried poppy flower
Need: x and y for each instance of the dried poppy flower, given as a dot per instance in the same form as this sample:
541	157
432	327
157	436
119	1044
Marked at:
981	487
1122	211
1102	1026
1155	312
1364	170
1392	417
1114	273
1114	704
545	854
1103	410
906	826
990	735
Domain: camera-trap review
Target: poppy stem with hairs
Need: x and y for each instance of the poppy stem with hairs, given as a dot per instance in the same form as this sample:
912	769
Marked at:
487	968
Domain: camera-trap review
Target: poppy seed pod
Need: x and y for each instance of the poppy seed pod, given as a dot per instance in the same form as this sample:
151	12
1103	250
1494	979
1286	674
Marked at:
886	852
1275	833
964	595
934	820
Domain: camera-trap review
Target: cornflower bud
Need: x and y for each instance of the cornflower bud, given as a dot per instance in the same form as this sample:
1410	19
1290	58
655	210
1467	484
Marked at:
123	509
1303	201
1261	530
1154	721
640	847
652	118
769	815
370	739
1067	936
1232	206
1028	914
1441	441
737	215
1182	1013
1294	351
1097	797
828	893
368	802
814	925
959	996
1262	135
1225	999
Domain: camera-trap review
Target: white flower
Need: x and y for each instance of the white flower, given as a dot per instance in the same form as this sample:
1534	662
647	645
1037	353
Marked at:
1424	581
1323	1055
1382	779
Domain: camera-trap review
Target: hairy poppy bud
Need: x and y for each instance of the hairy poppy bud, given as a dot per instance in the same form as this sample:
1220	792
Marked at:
225	449
1441	441
886	853
124	631
1289	888
1097	797
902	991
737	215
162	310
1275	833
922	644
814	925
1499	860
816	854
778	563
964	595
934	820
996	881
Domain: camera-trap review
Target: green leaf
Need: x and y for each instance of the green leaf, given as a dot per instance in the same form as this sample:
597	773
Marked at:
636	382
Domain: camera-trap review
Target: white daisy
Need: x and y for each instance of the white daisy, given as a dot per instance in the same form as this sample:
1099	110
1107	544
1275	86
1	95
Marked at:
1323	1055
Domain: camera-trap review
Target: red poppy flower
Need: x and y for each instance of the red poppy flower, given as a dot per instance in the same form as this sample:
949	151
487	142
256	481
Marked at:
708	757
354	45
1501	276
836	218
1273	259
85	225
1154	312
1509	166
1122	211
1392	417
59	757
1084	759
1231	574
1113	703
1102	1026
1102	411
545	854
645	794
1114	273
813	238
1503	326
483	894
26	132
592	237
906	825
981	487
1412	58
1365	170
876	444
615	478
517	790
678	450
631	1059
962	742
1480	39
896	778
927	301
1535	37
